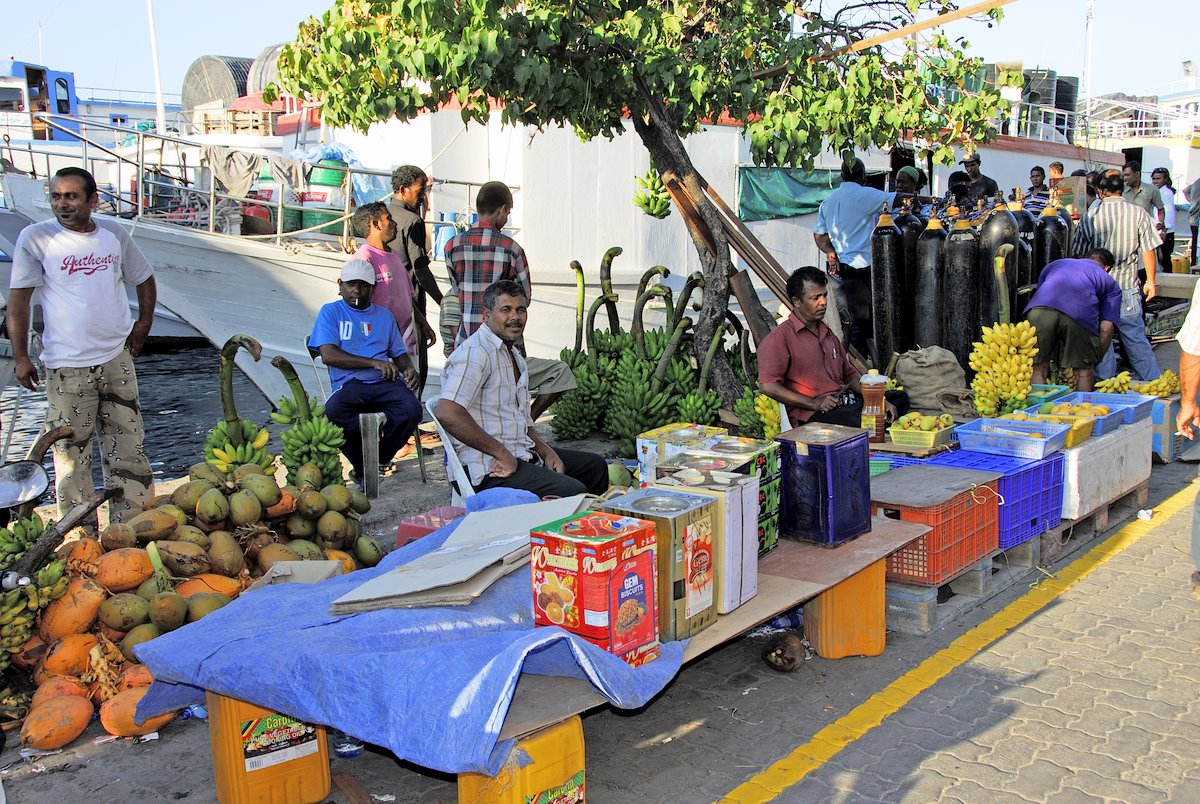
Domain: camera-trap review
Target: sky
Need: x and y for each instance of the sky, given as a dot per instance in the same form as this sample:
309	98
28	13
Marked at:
106	44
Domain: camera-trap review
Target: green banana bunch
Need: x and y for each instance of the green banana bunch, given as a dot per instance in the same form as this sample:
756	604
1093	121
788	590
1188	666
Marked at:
17	538
577	411
225	457
288	414
16	623
681	376
697	408
317	440
656	343
750	424
653	198
48	584
633	405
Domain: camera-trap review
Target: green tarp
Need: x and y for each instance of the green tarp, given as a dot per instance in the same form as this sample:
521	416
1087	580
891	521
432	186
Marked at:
765	193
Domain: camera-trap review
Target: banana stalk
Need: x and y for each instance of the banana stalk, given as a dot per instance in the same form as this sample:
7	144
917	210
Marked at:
579	296
694	281
708	357
303	411
228	407
999	257
660	371
606	290
637	329
644	282
590	327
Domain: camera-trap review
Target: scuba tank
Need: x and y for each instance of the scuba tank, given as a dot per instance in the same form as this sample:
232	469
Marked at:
910	226
999	229
927	293
885	296
1050	241
960	291
1027	224
1065	215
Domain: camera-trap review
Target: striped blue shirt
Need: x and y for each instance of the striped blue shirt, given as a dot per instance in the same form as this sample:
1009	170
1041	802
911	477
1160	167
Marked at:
1122	228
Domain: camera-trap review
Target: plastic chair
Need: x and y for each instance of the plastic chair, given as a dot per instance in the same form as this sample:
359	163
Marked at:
460	482
368	426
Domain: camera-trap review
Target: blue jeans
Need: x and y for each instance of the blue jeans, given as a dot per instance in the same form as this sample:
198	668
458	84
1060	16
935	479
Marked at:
393	399
1132	329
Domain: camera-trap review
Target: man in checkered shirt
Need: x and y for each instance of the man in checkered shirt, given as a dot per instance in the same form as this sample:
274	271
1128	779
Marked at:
483	255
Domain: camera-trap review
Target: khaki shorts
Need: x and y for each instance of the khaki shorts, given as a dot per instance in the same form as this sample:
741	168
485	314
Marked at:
549	376
1063	340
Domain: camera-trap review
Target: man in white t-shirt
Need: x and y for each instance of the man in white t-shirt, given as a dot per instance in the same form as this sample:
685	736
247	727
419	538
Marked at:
76	267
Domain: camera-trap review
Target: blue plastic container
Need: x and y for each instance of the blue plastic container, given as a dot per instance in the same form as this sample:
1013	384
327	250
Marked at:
1032	491
1136	406
826	495
990	436
1101	425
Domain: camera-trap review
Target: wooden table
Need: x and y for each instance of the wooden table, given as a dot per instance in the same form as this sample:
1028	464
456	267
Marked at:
789	575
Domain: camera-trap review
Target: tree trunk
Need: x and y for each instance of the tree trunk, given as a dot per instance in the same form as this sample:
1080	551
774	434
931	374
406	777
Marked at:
708	236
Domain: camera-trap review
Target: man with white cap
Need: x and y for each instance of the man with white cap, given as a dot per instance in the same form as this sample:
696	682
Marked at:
980	186
369	368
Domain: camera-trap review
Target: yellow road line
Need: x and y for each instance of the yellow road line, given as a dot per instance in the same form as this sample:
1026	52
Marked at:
827	742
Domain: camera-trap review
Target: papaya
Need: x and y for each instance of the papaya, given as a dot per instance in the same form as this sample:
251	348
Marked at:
116	536
55	686
116	715
84	550
74	612
193	534
187	495
298	527
306	550
273	553
244	508
239	474
225	553
264	489
56	722
184	558
124	611
209	582
148	588
367	551
212	507
206	471
311	504
337	497
135	676
69	655
152	525
202	604
359	501
308	476
331	525
135	637
344	558
168	610
123	569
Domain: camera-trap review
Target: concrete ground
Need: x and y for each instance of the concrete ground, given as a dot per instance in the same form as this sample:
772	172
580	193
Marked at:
1082	689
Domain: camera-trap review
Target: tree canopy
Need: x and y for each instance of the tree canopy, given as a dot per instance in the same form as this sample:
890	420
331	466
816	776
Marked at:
665	67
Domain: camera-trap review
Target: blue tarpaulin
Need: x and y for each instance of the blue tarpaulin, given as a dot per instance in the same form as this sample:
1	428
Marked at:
433	685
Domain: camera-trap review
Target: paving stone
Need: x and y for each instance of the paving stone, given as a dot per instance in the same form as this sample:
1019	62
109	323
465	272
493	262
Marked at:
1131	702
1160	769
1012	753
1071	795
1099	721
1111	789
969	790
1071	759
866	783
1039	779
924	787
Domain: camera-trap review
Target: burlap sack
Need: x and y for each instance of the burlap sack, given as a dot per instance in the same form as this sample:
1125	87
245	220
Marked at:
926	373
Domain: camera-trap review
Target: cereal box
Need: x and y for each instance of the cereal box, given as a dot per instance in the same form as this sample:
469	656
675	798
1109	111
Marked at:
595	575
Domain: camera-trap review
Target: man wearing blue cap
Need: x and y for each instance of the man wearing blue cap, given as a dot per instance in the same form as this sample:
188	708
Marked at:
369	368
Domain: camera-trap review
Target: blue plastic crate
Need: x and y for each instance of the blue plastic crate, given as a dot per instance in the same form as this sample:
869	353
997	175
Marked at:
1136	406
1032	491
1101	425
988	435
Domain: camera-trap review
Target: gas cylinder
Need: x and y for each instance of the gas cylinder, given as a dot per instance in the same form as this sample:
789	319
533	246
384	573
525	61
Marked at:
927	293
999	228
1064	214
1027	225
1050	242
911	227
885	296
960	291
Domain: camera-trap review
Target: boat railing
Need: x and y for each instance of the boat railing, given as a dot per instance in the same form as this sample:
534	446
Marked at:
176	192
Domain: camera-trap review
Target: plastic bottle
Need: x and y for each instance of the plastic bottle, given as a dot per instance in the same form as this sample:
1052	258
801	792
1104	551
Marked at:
194	711
873	411
345	745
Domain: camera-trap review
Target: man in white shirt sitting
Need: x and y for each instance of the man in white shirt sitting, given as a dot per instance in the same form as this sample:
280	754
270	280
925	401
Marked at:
484	406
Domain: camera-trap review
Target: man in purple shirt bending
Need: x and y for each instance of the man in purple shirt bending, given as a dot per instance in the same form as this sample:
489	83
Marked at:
1075	310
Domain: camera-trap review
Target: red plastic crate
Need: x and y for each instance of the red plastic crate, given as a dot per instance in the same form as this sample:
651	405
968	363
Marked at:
965	530
414	527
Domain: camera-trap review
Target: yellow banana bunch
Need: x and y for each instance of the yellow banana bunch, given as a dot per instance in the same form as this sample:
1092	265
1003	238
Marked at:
225	457
1166	385
16	623
1116	385
768	411
1003	366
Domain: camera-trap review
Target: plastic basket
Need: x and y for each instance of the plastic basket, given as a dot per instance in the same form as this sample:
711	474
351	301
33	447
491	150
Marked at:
1137	406
879	465
921	438
963	532
1031	492
1045	393
1102	425
991	436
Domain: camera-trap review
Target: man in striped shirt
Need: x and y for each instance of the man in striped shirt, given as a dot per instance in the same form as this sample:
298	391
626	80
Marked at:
484	406
1127	231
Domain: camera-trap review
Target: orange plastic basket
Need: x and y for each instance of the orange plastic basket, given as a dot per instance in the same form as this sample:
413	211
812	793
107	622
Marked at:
965	530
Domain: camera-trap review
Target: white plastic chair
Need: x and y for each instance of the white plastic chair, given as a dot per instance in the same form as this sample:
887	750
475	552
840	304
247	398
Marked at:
460	482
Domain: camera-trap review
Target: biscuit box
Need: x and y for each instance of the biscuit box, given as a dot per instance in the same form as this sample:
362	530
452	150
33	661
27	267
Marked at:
595	575
663	443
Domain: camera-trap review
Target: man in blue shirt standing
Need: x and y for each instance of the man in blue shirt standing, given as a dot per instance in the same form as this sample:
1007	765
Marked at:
843	230
1075	311
369	368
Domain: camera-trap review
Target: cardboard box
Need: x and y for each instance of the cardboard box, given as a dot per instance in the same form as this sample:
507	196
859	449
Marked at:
297	572
595	575
684	524
735	531
663	443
